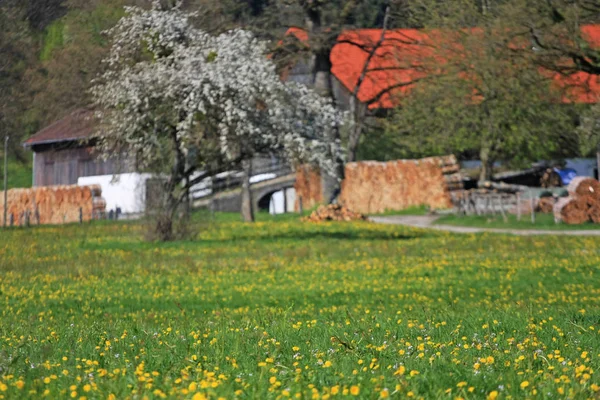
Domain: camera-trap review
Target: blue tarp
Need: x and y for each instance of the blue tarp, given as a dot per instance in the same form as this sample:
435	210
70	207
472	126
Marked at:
566	175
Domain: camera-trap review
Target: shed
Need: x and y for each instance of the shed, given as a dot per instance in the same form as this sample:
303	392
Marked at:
64	151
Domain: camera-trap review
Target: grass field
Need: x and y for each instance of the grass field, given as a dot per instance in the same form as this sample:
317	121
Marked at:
542	221
19	174
284	309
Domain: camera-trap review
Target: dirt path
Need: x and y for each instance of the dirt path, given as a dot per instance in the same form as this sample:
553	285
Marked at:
427	221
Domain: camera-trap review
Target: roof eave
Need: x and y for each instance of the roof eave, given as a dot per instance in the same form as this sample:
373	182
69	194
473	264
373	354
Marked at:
50	141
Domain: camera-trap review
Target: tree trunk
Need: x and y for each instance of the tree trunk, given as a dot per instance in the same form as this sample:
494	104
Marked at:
486	164
358	114
322	79
164	218
323	84
247	211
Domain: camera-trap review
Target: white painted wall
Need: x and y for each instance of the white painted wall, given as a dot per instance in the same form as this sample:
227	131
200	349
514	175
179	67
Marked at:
277	204
291	199
262	177
127	191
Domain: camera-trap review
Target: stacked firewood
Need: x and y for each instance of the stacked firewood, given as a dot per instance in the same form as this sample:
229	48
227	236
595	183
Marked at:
451	172
52	205
582	204
550	178
546	205
334	212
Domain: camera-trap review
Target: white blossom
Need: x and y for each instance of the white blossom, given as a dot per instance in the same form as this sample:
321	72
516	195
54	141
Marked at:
167	81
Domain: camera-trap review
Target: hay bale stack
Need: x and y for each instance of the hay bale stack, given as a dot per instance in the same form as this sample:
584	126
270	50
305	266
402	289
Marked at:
584	186
572	210
334	212
546	205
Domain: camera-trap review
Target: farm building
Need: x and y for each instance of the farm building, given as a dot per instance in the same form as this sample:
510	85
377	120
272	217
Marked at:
64	151
395	66
63	154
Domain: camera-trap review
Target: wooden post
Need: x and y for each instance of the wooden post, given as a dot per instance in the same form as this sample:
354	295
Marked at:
12	219
300	207
5	178
80	215
532	207
37	215
27	218
502	210
468	204
518	206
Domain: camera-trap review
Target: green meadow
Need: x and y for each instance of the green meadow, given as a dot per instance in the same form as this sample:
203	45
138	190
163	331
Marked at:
286	309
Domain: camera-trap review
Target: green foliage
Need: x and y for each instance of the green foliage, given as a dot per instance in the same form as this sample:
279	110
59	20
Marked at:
282	306
212	56
71	55
483	95
54	38
589	130
19	172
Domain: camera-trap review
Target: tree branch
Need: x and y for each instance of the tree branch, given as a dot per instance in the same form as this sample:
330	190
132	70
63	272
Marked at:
388	89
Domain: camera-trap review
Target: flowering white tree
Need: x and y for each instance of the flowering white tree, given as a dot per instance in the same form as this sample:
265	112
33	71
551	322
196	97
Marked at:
183	102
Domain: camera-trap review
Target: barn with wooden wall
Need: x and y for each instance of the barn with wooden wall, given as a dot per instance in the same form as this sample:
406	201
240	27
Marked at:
64	151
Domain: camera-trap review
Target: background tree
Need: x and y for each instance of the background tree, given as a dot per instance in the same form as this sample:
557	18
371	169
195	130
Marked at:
186	105
557	32
323	22
17	53
50	50
484	97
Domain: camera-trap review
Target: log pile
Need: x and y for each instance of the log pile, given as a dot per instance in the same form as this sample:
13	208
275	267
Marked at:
308	187
583	203
584	186
545	205
334	212
53	205
594	213
571	210
451	172
550	179
376	187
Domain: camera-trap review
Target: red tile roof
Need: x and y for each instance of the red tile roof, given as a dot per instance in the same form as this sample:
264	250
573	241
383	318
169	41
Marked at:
396	63
76	126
